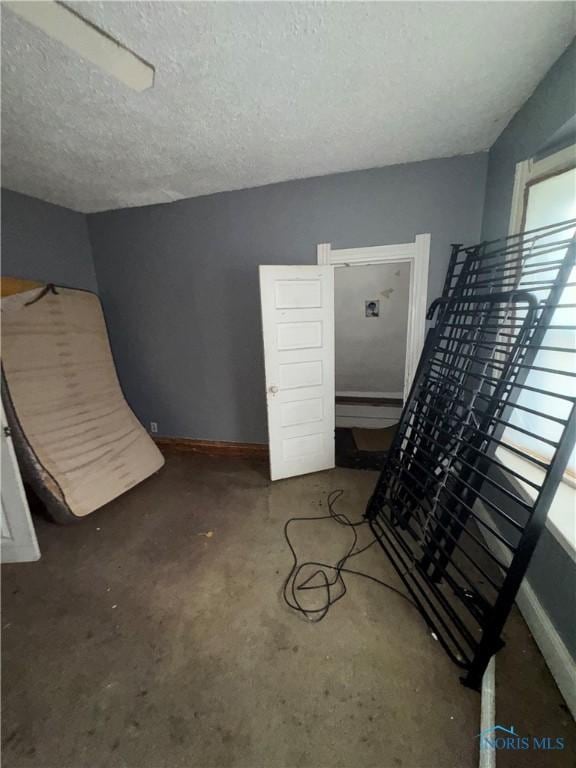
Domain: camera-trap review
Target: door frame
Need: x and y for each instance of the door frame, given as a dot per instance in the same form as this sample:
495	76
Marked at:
18	543
417	254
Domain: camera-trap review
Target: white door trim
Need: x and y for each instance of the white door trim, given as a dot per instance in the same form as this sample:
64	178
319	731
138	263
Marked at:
417	254
18	541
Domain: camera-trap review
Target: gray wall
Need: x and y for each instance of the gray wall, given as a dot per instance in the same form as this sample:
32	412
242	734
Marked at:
45	242
370	352
179	282
552	575
545	122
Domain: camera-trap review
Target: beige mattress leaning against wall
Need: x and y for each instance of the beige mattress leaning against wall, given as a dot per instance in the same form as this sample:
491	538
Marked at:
67	399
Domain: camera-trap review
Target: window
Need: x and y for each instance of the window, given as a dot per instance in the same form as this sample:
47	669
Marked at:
544	194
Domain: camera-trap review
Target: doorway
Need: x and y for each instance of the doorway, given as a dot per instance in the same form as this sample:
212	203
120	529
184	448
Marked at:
298	308
370	323
380	296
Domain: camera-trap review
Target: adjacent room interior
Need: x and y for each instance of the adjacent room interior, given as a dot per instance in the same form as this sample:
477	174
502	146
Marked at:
371	323
288	404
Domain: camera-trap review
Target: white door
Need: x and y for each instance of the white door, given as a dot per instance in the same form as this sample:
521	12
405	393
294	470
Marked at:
19	544
298	324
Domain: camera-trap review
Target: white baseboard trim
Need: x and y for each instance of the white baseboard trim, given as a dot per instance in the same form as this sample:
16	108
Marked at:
553	649
555	653
394	395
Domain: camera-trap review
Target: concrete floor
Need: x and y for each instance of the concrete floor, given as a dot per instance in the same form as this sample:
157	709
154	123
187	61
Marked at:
138	641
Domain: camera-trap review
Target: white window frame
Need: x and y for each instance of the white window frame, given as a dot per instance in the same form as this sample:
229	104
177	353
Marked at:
417	254
560	517
529	171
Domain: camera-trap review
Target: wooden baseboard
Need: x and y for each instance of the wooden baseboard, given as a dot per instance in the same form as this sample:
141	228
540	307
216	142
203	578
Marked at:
215	447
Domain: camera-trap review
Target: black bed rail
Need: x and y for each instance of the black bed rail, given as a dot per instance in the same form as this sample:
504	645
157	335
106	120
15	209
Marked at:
484	439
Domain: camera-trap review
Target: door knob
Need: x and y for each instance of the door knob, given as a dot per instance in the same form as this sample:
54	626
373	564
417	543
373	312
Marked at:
273	390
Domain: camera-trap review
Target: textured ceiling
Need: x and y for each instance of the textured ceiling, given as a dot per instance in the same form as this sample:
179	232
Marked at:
251	93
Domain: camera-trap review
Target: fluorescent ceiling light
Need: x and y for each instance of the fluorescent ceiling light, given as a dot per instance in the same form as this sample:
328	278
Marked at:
65	25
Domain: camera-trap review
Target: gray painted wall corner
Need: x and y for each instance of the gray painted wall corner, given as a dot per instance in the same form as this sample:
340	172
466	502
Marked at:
42	241
179	281
545	122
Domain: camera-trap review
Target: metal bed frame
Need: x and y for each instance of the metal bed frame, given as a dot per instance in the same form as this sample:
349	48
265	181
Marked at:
458	519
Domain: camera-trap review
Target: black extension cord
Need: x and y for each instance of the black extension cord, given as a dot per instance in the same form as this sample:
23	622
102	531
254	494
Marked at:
293	585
